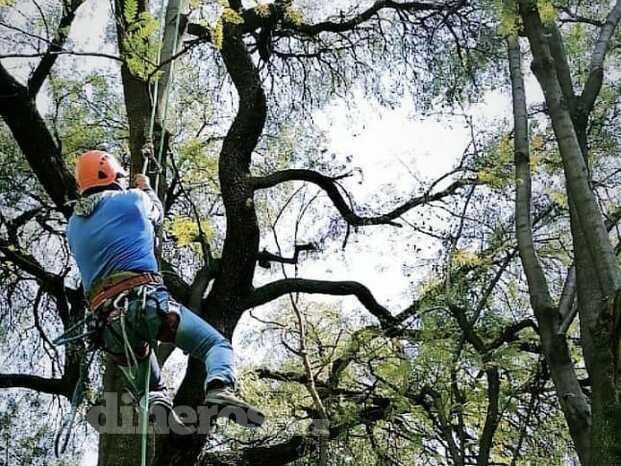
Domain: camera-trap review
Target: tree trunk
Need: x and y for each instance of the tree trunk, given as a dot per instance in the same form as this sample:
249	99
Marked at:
115	449
556	351
597	266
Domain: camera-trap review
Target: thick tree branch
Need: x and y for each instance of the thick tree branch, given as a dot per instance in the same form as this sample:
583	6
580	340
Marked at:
588	214
596	69
537	281
274	290
574	404
62	386
492	417
330	186
19	111
562	66
568	295
239	253
42	70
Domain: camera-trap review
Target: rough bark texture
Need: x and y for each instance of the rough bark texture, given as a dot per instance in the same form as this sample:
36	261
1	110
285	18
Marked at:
241	245
135	90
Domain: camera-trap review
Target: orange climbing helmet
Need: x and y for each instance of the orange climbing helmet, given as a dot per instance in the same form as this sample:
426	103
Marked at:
97	168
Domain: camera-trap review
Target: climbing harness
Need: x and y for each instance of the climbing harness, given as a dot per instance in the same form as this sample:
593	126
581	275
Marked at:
103	316
132	360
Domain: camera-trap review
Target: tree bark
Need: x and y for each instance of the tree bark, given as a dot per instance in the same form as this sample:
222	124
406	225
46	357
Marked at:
598	272
136	91
19	111
573	402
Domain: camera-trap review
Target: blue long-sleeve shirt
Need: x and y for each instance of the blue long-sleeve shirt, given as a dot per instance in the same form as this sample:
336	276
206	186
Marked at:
113	231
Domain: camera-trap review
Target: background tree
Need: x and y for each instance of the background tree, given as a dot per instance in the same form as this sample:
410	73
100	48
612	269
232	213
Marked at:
595	275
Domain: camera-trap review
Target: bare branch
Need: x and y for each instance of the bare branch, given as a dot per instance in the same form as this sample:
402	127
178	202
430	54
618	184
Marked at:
48	281
274	290
352	23
329	185
265	257
510	333
253	20
40	384
62	52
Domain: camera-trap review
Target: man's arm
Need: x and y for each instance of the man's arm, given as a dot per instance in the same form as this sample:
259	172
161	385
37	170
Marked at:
153	205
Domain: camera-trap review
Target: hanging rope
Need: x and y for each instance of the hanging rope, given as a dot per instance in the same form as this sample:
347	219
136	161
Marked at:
154	95
160	160
145	414
60	445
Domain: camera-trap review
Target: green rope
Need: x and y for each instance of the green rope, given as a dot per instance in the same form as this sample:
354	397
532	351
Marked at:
145	403
154	96
160	157
145	415
160	38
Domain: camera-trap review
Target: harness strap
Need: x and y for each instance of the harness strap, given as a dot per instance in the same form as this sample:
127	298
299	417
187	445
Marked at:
124	285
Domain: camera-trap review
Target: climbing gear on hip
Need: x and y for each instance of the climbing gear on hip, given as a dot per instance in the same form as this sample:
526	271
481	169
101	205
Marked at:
111	289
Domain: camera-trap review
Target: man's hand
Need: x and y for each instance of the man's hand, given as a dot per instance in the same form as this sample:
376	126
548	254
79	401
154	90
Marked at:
142	182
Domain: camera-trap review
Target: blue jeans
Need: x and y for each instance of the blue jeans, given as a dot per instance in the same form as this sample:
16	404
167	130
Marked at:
147	318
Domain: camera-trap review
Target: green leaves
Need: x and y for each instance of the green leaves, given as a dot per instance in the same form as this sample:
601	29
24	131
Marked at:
497	164
140	49
198	166
131	10
547	11
186	231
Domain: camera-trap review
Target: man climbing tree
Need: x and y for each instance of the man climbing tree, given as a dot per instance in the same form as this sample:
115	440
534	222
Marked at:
111	235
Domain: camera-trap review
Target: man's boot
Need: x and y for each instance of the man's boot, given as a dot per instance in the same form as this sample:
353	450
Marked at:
222	397
163	416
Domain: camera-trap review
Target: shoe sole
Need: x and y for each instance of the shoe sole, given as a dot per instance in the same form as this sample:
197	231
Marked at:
254	417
